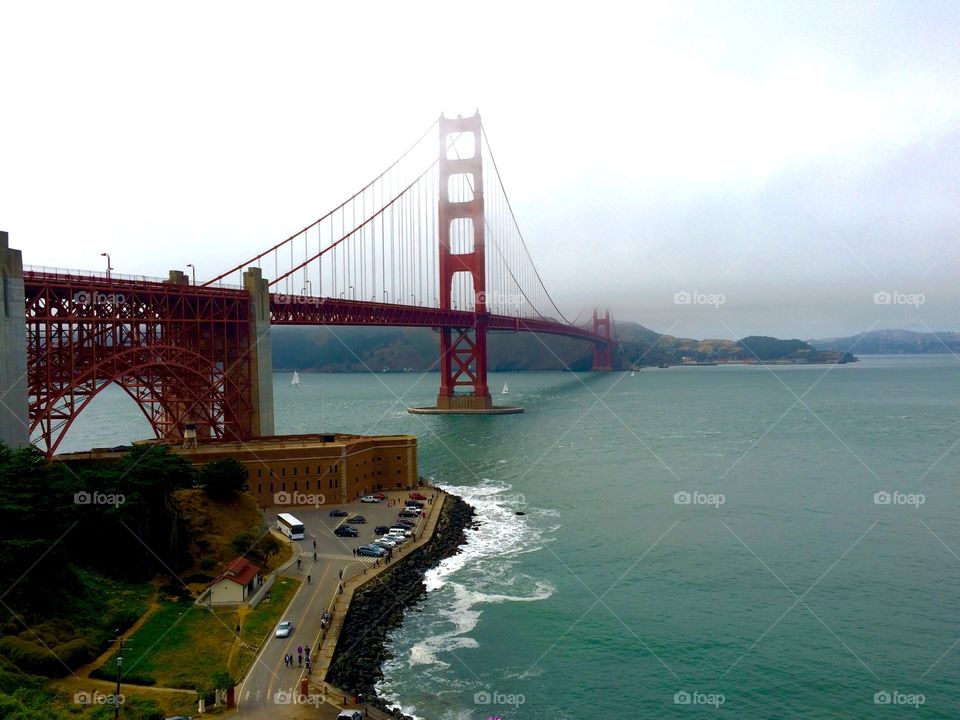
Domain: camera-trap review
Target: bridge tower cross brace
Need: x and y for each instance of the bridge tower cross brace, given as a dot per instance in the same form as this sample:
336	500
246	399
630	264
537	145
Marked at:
463	350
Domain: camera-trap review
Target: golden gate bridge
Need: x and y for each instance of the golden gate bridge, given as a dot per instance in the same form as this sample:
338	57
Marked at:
430	242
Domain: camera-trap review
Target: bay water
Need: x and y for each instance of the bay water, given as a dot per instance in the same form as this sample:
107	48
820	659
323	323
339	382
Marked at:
731	541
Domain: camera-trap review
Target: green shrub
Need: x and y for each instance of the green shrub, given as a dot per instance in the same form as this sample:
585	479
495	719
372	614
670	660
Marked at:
31	658
76	652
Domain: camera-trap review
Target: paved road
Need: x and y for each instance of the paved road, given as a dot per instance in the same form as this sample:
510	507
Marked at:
270	684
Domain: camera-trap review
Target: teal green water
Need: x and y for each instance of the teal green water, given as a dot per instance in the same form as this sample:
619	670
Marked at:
783	590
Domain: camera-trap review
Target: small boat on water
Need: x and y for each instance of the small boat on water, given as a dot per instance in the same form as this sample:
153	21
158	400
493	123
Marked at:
296	379
633	373
663	365
506	390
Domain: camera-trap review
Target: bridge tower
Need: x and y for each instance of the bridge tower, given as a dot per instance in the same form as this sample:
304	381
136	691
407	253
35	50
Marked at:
463	350
601	353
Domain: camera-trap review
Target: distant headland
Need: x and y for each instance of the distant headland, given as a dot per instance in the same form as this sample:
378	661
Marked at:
366	349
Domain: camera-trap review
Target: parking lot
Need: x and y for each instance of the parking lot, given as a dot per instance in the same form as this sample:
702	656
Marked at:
320	526
325	560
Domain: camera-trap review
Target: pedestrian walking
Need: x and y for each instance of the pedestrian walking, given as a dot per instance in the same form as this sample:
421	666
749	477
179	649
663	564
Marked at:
341	573
299	649
300	660
314	544
308	579
298	563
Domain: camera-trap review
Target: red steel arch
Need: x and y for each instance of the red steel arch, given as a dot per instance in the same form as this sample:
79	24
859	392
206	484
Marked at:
183	354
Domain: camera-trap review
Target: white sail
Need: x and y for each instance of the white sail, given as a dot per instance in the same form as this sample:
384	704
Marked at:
296	379
506	390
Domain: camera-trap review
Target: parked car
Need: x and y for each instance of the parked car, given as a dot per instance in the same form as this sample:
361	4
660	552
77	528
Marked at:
357	520
381	530
414	503
385	542
409	512
284	629
401	531
346	531
417	496
378	495
397	539
371	550
369	499
349	715
405	523
338	513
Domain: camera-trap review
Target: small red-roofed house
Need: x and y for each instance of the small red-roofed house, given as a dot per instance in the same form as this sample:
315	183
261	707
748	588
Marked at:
236	583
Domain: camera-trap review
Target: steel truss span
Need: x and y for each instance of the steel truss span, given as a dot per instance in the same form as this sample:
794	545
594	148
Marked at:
182	353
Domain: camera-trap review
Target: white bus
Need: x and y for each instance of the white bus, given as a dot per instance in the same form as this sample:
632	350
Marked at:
290	526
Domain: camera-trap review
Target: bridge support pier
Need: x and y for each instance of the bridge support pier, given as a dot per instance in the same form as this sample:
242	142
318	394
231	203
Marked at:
261	367
14	417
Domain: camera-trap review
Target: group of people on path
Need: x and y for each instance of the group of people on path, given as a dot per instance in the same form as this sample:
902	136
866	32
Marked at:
302	652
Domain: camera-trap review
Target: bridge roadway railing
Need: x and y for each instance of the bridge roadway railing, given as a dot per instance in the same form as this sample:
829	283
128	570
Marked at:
301	310
33	274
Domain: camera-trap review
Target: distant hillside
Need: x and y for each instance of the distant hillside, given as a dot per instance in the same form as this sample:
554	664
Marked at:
892	342
647	347
362	349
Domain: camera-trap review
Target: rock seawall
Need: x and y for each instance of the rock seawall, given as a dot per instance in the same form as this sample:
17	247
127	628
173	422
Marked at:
379	605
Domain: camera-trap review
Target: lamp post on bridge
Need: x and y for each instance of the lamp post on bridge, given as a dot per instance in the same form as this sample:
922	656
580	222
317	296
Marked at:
385	298
193	273
109	266
351	292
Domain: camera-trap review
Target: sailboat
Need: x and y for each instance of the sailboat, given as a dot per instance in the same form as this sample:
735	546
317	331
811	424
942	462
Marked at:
296	379
506	390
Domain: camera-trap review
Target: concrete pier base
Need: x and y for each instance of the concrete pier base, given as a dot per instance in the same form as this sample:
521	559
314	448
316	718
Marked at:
492	410
14	414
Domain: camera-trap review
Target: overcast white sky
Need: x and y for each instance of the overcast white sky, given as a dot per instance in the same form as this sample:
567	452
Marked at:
795	158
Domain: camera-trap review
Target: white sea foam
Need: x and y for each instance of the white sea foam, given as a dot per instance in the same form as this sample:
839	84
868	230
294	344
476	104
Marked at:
486	571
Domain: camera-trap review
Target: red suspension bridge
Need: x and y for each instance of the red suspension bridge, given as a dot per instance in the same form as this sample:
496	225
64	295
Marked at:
430	242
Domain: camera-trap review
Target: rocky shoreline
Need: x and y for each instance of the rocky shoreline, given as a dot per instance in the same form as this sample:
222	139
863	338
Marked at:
379	605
